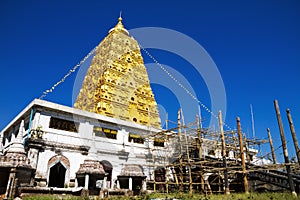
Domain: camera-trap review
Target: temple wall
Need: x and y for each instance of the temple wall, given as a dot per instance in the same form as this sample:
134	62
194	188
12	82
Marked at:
65	146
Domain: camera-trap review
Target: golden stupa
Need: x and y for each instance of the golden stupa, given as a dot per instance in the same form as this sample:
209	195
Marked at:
116	83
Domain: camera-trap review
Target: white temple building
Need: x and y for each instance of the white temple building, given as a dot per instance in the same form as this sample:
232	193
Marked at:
105	141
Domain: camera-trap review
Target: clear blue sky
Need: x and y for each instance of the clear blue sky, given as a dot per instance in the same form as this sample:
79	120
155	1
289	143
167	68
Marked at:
255	45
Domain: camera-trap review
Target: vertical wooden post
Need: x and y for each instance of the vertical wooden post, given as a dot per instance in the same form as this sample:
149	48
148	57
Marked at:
154	176
188	159
175	175
179	130
271	145
246	145
284	148
224	153
179	122
293	132
180	151
235	150
167	179
200	149
167	172
199	137
167	121
242	154
181	173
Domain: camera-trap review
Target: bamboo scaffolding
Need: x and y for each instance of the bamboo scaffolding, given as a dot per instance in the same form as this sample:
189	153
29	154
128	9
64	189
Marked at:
191	165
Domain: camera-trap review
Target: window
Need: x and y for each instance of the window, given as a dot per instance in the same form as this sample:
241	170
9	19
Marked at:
62	124
105	132
211	152
26	126
159	143
135	138
251	157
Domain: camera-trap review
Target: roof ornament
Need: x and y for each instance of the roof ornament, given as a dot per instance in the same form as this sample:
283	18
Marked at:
119	27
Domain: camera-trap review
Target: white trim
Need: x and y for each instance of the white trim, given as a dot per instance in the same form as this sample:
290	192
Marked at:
74	111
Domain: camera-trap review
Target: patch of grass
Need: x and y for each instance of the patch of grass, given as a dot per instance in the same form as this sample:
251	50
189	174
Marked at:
180	195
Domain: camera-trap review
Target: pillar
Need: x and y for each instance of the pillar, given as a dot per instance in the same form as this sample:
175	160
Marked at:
144	185
76	182
33	157
104	183
130	183
86	182
118	184
10	184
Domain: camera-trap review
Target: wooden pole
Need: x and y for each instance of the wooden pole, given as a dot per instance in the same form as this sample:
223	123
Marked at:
179	130
167	121
167	179
271	145
154	176
180	151
167	172
293	132
199	137
242	155
179	122
284	148
188	158
235	150
224	153
180	173
246	149
200	149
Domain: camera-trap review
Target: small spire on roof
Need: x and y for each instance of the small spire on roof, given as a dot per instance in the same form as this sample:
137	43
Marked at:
119	26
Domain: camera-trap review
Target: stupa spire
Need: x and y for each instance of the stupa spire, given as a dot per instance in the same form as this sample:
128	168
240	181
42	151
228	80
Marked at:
117	84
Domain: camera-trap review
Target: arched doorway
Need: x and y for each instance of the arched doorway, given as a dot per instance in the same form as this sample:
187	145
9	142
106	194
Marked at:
57	175
216	183
58	171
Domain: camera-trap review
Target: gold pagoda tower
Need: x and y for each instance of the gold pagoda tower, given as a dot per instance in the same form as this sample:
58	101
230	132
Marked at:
116	83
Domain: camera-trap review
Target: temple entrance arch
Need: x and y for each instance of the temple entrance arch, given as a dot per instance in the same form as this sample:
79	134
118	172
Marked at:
58	171
57	175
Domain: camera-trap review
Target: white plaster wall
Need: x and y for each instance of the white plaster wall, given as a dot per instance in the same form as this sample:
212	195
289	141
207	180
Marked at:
42	166
43	120
75	160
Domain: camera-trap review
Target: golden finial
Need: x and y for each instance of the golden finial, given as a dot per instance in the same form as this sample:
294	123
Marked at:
119	26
